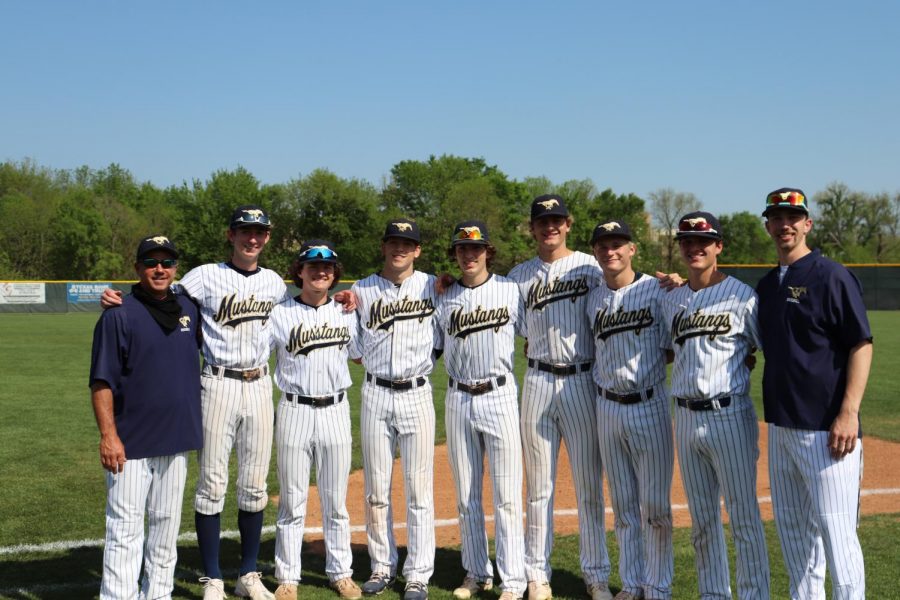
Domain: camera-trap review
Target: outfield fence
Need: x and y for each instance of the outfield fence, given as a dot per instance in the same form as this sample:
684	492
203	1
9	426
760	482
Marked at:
881	290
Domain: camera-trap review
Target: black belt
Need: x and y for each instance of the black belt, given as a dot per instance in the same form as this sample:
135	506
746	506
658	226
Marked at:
714	404
404	384
560	369
632	398
481	388
317	401
246	375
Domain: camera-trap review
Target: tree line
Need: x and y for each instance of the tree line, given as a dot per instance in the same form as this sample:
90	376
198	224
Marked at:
85	223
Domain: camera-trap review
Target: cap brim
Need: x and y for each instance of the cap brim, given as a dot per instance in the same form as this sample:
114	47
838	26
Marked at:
601	236
700	234
401	237
469	242
769	209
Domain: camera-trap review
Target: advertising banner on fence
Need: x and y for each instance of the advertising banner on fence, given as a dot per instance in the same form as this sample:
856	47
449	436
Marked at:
22	293
84	291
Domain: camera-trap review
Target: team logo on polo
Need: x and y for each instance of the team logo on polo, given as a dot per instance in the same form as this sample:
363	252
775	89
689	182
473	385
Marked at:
383	315
608	323
548	204
303	340
232	312
698	324
542	294
185	322
797	292
464	324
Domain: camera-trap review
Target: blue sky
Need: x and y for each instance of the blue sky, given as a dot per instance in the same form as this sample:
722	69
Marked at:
727	100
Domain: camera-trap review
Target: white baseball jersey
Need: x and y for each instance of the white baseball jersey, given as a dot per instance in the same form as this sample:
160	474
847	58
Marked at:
471	320
311	345
712	332
235	309
628	331
555	294
636	439
397	328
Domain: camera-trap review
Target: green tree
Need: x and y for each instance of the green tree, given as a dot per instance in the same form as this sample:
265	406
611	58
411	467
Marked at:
746	240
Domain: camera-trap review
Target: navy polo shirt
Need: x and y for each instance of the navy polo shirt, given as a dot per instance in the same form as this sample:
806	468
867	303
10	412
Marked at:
154	376
809	323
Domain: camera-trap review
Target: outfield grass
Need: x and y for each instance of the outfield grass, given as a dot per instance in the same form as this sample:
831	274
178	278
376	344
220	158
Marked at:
52	486
76	574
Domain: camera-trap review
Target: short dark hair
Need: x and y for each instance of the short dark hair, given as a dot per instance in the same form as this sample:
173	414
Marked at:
296	266
491	252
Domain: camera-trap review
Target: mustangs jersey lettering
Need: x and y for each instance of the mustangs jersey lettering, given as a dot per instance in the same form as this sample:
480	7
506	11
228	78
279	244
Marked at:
711	331
312	347
478	326
628	331
555	296
397	326
235	310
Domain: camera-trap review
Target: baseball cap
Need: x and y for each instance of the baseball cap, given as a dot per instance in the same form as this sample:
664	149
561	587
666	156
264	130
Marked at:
548	205
611	229
250	214
791	198
470	232
155	242
318	251
699	224
402	228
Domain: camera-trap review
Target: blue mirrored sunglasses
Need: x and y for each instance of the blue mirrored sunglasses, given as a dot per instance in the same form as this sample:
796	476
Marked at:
317	252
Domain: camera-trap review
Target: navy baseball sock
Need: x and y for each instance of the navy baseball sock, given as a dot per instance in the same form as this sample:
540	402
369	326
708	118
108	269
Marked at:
208	528
250	526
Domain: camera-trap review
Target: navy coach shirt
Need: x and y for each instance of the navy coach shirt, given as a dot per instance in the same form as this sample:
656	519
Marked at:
809	322
154	376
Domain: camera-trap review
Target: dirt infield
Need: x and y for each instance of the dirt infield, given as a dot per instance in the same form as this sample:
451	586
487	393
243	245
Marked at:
881	472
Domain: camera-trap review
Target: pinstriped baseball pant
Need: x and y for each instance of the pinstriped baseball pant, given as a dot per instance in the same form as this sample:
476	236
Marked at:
154	485
816	504
478	425
717	455
404	418
554	409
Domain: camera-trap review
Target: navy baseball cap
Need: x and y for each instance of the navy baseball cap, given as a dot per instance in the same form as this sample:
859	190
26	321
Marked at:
611	229
790	198
548	205
402	228
250	214
470	232
155	242
699	224
317	251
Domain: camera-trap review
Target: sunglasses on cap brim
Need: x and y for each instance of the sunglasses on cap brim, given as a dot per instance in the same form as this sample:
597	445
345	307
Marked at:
317	254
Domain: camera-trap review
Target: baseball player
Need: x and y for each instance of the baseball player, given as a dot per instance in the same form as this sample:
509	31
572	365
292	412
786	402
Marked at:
633	419
145	389
235	299
397	335
311	336
712	325
818	347
558	398
478	317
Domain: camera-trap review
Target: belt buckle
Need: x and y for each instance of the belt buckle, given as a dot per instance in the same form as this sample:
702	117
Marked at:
481	388
715	404
250	374
559	368
400	385
319	402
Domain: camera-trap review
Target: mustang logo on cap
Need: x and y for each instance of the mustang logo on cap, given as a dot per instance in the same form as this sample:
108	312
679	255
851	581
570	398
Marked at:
253	212
610	226
548	204
402	226
696	221
160	239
